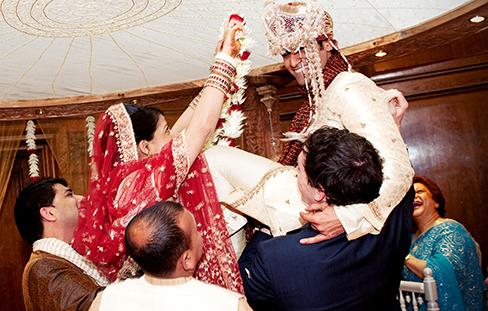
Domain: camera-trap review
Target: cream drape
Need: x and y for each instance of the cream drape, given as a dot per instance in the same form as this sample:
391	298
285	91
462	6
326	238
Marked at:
10	137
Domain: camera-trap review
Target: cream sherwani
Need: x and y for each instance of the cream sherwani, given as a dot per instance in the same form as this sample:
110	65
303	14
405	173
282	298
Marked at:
268	191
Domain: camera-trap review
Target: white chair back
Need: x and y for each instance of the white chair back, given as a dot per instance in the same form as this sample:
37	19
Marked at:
414	293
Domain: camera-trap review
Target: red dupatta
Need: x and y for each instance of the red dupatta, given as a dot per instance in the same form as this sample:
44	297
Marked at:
121	185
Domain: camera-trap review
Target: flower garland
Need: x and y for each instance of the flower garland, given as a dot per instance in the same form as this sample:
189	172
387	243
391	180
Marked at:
30	139
231	123
90	129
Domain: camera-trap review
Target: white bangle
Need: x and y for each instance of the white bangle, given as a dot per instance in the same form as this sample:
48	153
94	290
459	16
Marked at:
227	58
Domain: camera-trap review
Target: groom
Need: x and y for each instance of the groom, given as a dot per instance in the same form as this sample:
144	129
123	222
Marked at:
302	33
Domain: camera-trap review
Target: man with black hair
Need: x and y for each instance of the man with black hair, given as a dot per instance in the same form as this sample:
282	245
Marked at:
335	167
302	32
163	240
56	276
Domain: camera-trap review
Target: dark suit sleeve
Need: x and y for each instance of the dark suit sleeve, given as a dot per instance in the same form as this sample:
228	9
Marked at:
254	268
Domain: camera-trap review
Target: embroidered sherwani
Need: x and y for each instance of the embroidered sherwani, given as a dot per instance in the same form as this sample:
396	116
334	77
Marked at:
52	283
354	102
267	191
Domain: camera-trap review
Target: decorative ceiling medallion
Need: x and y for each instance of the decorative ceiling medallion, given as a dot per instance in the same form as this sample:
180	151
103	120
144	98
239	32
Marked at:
77	18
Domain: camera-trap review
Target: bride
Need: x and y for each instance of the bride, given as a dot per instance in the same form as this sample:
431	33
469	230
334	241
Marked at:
137	161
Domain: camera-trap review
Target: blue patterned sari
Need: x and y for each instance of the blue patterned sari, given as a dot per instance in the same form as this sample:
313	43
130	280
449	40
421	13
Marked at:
451	253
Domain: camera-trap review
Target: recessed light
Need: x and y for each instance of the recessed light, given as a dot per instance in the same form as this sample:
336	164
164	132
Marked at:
476	19
380	54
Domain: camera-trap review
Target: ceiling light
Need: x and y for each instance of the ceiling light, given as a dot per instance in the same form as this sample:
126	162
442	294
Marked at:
476	19
380	53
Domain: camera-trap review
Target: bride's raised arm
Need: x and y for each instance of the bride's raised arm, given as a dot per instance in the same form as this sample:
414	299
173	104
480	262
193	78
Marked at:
207	111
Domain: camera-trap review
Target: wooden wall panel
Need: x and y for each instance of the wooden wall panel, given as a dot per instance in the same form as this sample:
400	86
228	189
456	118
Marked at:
447	137
446	130
15	252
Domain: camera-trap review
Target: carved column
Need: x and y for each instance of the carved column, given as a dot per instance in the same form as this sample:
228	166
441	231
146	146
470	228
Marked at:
263	122
271	128
252	139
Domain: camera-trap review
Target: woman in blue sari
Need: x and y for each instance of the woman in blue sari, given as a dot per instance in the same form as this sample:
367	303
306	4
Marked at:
446	247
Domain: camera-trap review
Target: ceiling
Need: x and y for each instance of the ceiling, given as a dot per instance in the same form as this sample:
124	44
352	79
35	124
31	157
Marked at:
62	48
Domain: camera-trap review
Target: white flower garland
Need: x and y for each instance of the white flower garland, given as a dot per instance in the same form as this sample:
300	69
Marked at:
232	118
90	129
30	139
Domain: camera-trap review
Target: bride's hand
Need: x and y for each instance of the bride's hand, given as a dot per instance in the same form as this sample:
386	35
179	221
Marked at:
229	45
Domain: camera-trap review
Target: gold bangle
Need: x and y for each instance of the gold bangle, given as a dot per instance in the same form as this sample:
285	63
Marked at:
194	102
218	82
217	86
221	75
225	69
408	257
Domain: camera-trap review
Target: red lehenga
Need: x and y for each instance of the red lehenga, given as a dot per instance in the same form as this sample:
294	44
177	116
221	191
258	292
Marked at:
121	185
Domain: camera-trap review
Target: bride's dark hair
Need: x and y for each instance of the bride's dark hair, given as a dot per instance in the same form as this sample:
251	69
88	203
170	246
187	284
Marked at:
144	121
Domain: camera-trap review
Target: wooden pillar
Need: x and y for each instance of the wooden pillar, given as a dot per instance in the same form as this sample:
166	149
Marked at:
269	99
262	127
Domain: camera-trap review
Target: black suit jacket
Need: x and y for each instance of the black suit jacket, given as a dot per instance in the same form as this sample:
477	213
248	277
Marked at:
362	274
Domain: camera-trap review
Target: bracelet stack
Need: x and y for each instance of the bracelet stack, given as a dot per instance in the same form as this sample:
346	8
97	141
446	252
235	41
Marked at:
194	102
228	75
222	73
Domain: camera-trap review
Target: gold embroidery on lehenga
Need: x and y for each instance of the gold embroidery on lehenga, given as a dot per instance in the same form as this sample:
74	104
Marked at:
154	187
219	262
180	157
125	140
218	253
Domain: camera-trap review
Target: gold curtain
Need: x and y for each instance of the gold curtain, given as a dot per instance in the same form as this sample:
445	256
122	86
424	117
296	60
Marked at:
67	138
10	137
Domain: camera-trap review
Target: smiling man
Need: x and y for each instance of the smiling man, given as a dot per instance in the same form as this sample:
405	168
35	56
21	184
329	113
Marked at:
335	96
56	276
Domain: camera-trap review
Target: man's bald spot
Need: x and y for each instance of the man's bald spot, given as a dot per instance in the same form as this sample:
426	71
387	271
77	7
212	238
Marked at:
141	232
